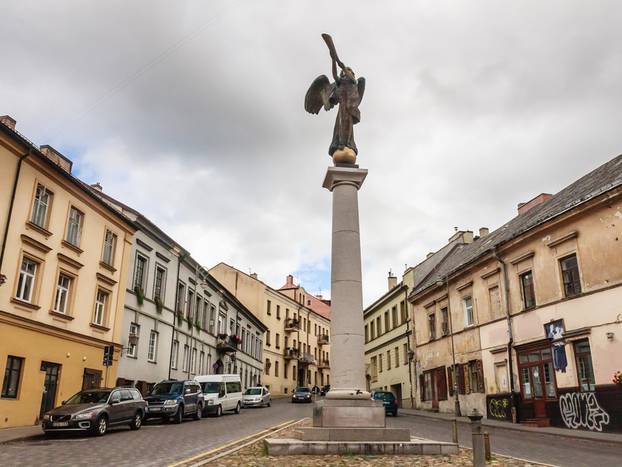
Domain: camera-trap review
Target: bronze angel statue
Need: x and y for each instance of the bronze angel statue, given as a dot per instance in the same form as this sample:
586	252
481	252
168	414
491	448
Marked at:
347	91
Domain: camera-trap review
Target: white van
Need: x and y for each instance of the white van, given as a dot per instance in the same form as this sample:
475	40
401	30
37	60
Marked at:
221	393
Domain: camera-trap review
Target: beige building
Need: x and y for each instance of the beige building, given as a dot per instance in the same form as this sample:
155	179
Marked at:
63	261
531	313
296	345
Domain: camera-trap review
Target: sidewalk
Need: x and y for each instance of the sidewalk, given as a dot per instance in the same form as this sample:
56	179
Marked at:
20	432
581	434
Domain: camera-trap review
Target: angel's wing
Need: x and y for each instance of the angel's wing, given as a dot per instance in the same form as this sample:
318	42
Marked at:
318	95
361	86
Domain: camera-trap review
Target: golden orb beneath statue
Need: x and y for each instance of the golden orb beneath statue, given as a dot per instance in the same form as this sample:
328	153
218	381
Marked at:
344	156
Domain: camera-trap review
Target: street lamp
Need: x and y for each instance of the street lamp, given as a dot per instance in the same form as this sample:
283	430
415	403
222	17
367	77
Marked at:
440	283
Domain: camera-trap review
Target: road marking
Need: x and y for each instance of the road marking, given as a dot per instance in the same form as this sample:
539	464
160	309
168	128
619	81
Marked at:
231	443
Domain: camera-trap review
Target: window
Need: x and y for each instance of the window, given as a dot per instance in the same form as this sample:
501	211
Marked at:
181	297
12	374
397	356
61	298
174	354
276	368
268	338
445	321
268	308
267	367
388	359
467	303
159	284
101	304
74	226
372	333
277	341
110	245
494	298
26	281
184	361
405	348
212	317
204	323
190	310
387	323
152	352
139	272
527	289
41	206
403	311
380	363
132	348
585	370
570	275
378	326
193	361
394	316
366	333
432	325
278	312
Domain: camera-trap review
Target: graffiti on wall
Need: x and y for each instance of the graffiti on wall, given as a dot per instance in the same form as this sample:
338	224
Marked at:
581	410
499	406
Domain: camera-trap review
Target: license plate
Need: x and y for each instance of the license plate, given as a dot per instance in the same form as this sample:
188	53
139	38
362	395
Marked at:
59	424
154	409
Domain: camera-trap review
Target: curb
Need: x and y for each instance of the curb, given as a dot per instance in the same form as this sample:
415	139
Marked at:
576	434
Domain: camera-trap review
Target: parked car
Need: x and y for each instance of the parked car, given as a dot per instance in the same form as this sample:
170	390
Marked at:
324	389
221	393
173	400
301	395
388	400
258	396
95	410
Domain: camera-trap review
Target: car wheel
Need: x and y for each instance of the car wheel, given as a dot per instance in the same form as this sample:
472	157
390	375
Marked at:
219	411
199	412
101	426
269	403
237	409
179	415
137	422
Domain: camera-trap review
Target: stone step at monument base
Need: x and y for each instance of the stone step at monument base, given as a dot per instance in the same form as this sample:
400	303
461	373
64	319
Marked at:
354	434
339	413
290	447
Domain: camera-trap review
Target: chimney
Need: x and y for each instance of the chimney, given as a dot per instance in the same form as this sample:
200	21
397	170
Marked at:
289	281
9	121
97	186
56	157
392	280
533	202
319	296
429	254
463	236
483	231
254	275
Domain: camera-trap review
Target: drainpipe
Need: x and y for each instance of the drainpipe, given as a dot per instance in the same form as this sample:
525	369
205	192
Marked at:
506	288
8	221
180	258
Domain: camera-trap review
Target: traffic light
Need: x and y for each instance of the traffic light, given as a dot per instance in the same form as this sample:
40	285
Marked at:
108	352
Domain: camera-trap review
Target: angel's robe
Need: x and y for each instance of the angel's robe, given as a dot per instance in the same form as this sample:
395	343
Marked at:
346	94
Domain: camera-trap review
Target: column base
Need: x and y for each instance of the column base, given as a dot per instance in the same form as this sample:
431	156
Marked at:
344	413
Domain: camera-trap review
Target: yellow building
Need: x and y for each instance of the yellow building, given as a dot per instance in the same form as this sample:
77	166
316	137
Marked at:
63	256
296	345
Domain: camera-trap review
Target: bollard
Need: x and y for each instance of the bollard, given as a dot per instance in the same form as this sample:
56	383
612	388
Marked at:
477	437
487	445
455	431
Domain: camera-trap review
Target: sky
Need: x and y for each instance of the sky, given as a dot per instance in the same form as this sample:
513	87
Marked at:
192	113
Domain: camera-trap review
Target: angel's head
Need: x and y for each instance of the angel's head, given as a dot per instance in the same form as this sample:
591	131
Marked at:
347	72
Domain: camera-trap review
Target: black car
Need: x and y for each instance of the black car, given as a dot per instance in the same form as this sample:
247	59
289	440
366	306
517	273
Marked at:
173	400
95	410
388	400
301	395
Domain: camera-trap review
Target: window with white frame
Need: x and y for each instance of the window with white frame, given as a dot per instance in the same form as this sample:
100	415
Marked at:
41	206
181	297
26	281
205	315
201	362
152	352
74	226
159	284
193	361
132	348
101	303
184	362
212	318
110	245
61	299
174	354
140	270
190	311
467	303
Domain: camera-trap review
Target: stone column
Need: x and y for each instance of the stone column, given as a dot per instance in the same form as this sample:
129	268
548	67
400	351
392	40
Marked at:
347	338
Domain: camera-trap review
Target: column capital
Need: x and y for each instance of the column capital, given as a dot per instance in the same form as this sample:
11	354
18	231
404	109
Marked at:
346	175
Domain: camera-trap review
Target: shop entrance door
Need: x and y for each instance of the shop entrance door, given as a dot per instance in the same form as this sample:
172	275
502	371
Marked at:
538	384
50	385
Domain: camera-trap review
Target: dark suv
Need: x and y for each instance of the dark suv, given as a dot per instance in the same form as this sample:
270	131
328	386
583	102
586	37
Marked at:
173	400
95	410
388	400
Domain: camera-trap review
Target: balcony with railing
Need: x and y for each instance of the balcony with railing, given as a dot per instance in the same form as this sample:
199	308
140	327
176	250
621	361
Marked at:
291	353
292	325
323	339
323	365
307	359
226	343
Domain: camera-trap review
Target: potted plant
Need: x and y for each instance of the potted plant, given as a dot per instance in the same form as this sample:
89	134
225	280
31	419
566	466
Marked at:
140	295
158	303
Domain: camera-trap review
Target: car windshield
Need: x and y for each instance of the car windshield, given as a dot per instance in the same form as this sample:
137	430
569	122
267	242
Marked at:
211	387
253	392
302	390
163	389
89	397
384	396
